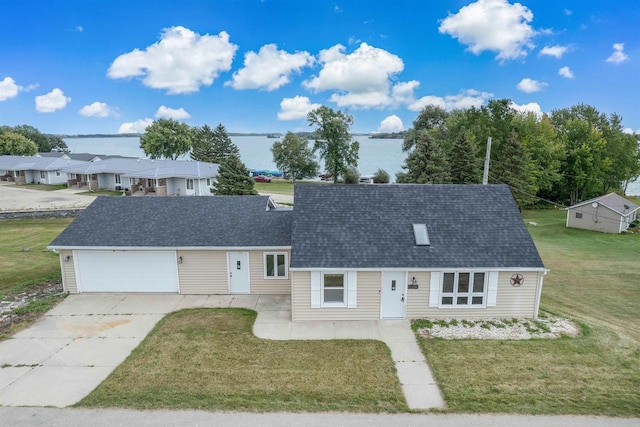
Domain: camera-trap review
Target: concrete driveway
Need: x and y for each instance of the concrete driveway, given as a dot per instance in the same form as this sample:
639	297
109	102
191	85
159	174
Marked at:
14	198
62	357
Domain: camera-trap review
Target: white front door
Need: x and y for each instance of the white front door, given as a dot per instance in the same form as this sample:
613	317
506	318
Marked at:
392	295
238	272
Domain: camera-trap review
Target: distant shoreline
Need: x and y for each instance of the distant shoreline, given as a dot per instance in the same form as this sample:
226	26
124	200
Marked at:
138	135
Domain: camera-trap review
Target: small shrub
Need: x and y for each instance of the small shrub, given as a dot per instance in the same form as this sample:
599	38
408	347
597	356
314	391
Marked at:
421	324
381	177
352	176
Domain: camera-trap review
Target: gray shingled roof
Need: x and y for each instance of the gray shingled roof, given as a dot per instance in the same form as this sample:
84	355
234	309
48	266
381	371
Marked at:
213	221
612	201
19	163
370	226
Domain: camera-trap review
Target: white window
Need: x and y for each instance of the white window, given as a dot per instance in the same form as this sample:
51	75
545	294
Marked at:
42	175
57	173
463	289
275	265
189	184
72	176
334	289
117	178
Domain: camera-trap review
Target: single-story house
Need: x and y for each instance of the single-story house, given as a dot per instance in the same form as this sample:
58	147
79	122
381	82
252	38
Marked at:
610	213
144	176
35	169
344	252
85	157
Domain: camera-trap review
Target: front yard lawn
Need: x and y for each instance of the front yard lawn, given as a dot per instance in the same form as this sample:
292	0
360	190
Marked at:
209	359
595	279
43	187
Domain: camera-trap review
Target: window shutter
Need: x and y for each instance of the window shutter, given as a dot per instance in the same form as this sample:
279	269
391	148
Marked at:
434	288
316	289
352	288
492	290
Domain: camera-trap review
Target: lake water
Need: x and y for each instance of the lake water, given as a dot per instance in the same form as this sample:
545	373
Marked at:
255	152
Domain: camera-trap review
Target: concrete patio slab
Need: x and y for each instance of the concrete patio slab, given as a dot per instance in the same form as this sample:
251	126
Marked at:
30	351
10	374
94	352
192	301
147	304
97	304
244	301
218	301
274	316
273	303
278	331
363	330
313	331
65	385
396	331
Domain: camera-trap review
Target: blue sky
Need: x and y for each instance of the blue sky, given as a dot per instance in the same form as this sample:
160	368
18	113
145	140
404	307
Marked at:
87	66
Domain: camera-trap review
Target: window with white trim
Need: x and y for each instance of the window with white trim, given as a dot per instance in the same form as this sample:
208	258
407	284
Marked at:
463	289
334	290
189	184
208	182
117	178
57	173
43	175
275	265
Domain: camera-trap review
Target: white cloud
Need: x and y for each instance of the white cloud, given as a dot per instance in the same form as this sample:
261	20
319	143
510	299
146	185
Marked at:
493	25
532	107
79	28
566	72
362	79
180	62
630	131
391	124
295	108
402	92
528	85
618	56
97	109
556	51
268	69
9	89
465	99
172	113
138	126
52	101
568	12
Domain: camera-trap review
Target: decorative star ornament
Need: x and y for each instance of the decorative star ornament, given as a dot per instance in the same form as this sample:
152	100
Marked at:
517	280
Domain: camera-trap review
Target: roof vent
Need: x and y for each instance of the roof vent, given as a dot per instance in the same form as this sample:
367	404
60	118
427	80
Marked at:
421	235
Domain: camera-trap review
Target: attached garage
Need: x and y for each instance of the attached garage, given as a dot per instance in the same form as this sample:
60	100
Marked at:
126	271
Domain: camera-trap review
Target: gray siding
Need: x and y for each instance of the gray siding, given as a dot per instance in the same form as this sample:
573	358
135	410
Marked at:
600	219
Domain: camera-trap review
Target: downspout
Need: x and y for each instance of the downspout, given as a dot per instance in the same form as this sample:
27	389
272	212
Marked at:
540	282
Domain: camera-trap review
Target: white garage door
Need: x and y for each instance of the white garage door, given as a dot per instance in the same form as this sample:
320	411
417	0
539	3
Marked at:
126	271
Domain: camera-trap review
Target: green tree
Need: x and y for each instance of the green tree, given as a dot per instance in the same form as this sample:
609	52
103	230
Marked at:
333	141
233	178
430	119
512	168
294	158
464	165
12	143
352	176
166	138
45	143
202	147
426	164
221	145
381	177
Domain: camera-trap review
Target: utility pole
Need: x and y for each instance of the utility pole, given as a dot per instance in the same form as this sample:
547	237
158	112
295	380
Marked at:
485	175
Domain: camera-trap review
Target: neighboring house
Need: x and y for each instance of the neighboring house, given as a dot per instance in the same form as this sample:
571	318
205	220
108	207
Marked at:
610	213
36	170
86	157
345	252
145	176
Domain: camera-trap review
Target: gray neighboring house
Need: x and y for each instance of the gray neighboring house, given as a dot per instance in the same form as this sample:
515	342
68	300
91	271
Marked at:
610	213
36	169
145	176
345	252
86	157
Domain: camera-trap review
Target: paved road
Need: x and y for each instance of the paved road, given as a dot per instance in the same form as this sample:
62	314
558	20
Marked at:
114	417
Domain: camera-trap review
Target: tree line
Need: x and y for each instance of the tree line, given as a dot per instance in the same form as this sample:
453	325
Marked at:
569	155
25	140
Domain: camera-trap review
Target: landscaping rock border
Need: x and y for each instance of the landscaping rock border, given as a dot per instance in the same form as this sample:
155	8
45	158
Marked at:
57	213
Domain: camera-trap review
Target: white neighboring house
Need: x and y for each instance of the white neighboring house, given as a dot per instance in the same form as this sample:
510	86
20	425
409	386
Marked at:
36	169
146	176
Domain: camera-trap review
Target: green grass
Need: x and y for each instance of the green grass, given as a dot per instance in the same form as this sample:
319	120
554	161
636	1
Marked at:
280	186
595	279
29	313
19	268
43	187
209	359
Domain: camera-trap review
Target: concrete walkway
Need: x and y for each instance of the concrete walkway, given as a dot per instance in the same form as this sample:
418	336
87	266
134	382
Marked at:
61	358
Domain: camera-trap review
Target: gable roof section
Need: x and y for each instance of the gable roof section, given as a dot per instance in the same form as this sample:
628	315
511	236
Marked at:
19	163
371	226
178	222
147	168
611	201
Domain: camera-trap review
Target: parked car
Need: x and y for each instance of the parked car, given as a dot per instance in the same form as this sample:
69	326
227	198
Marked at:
261	178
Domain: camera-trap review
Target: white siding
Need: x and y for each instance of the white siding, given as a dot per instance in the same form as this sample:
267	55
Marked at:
260	285
203	272
68	272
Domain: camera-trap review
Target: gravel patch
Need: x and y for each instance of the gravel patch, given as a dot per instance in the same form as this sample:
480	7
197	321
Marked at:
498	329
